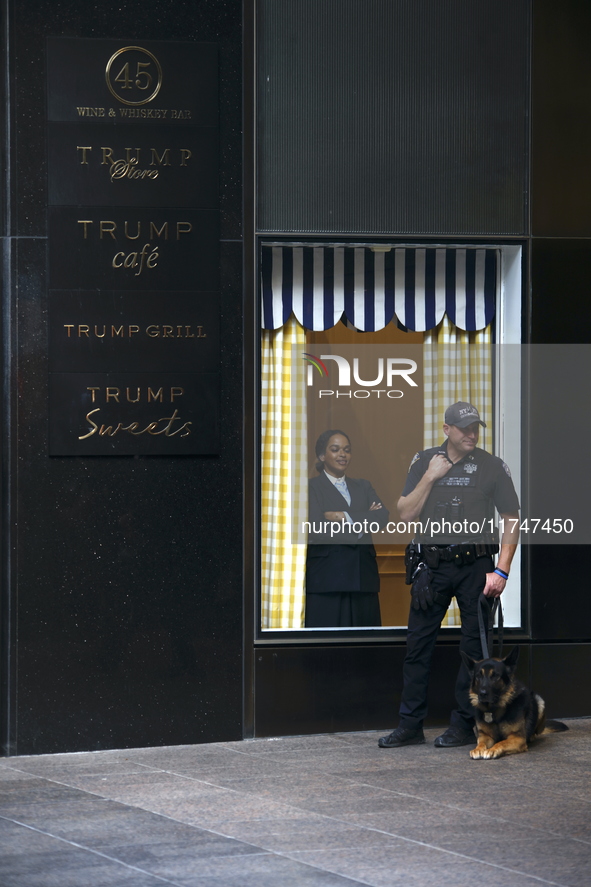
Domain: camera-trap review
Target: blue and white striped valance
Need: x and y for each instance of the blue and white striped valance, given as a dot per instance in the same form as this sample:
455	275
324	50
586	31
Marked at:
418	285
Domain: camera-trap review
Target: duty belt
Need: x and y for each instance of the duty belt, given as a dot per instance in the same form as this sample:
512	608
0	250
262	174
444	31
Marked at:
461	554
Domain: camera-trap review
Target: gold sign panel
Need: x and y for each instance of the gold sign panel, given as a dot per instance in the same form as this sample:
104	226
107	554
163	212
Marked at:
133	215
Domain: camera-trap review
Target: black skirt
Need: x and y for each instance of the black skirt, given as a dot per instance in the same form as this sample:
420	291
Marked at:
342	609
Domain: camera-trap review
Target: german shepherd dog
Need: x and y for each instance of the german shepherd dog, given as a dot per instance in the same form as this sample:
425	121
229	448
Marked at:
508	715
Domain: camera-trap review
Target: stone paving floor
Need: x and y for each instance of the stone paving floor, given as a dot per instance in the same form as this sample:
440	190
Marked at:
332	811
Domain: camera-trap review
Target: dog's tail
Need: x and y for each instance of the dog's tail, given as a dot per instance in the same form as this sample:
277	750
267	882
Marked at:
554	727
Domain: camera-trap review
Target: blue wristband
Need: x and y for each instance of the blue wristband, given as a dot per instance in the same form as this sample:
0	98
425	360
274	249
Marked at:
505	576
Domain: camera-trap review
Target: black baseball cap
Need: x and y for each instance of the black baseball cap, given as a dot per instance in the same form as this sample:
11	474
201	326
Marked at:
462	414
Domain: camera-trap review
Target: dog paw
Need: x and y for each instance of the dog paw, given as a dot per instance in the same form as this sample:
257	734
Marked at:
485	754
491	753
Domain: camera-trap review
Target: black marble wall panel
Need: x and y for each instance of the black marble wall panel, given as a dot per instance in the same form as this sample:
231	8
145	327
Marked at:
560	305
560	313
126	572
560	274
328	689
4	130
561	123
559	674
8	462
560	605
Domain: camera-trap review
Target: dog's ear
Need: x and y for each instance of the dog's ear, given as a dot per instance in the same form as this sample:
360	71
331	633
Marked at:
511	660
469	663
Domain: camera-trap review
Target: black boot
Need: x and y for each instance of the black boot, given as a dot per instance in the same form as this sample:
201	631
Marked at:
402	736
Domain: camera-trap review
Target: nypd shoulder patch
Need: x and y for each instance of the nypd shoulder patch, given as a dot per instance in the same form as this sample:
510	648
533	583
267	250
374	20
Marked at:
507	469
415	458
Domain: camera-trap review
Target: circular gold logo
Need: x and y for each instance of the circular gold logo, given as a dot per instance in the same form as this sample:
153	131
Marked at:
134	75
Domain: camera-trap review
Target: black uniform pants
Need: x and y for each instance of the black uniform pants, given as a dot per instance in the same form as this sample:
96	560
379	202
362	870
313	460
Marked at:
465	583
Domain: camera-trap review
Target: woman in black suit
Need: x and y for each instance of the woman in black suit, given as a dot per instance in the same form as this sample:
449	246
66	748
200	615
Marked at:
342	580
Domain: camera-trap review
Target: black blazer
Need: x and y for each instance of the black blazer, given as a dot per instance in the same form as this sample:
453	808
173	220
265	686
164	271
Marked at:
334	566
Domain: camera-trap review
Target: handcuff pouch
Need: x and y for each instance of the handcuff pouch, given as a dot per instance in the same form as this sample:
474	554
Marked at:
431	556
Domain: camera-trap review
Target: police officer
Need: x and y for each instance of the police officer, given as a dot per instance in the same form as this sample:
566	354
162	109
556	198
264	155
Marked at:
452	490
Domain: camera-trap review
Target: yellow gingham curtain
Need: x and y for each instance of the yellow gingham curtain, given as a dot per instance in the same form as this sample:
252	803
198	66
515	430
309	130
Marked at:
458	367
284	476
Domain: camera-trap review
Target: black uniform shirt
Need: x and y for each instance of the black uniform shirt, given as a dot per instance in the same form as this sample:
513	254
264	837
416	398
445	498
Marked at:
477	481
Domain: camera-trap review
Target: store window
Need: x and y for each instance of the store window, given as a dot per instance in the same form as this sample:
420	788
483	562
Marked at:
415	328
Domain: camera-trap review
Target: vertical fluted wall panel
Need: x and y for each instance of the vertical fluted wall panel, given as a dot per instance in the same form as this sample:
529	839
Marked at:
393	116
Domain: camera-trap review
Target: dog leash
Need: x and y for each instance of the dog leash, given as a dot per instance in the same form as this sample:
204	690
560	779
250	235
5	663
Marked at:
487	628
